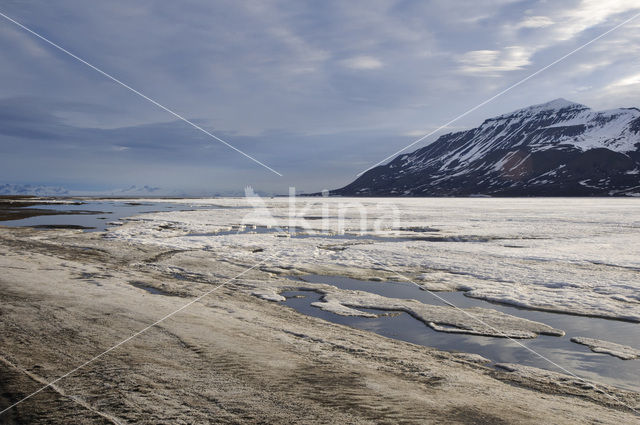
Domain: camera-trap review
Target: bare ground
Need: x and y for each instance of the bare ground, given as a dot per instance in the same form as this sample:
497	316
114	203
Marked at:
67	296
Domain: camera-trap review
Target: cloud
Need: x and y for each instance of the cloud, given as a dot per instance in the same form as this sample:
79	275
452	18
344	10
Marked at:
535	22
416	133
630	80
494	62
561	26
589	13
27	45
362	62
36	145
280	79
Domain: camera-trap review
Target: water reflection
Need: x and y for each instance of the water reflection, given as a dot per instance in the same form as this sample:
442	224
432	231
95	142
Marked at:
576	358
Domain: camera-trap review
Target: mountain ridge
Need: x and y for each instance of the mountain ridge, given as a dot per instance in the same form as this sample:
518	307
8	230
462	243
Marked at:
557	148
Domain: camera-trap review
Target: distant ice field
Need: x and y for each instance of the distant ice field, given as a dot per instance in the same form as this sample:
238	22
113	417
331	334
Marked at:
570	255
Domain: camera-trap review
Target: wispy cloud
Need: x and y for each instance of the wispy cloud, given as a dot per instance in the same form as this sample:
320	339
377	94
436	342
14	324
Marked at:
535	22
630	80
572	21
493	62
363	62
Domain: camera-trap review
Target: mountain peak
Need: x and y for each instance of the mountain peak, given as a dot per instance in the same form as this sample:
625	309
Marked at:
559	103
553	105
558	148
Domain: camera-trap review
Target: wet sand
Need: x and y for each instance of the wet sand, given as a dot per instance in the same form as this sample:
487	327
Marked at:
66	296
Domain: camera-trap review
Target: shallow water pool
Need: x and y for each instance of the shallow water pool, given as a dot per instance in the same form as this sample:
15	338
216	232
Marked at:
575	358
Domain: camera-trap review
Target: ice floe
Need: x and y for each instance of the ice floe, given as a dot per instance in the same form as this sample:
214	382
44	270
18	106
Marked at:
578	256
599	346
473	321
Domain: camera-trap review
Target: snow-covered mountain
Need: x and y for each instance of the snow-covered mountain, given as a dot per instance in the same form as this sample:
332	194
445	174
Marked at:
41	190
559	148
136	191
32	190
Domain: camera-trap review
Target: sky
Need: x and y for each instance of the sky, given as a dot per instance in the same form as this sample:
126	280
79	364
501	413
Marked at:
318	91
